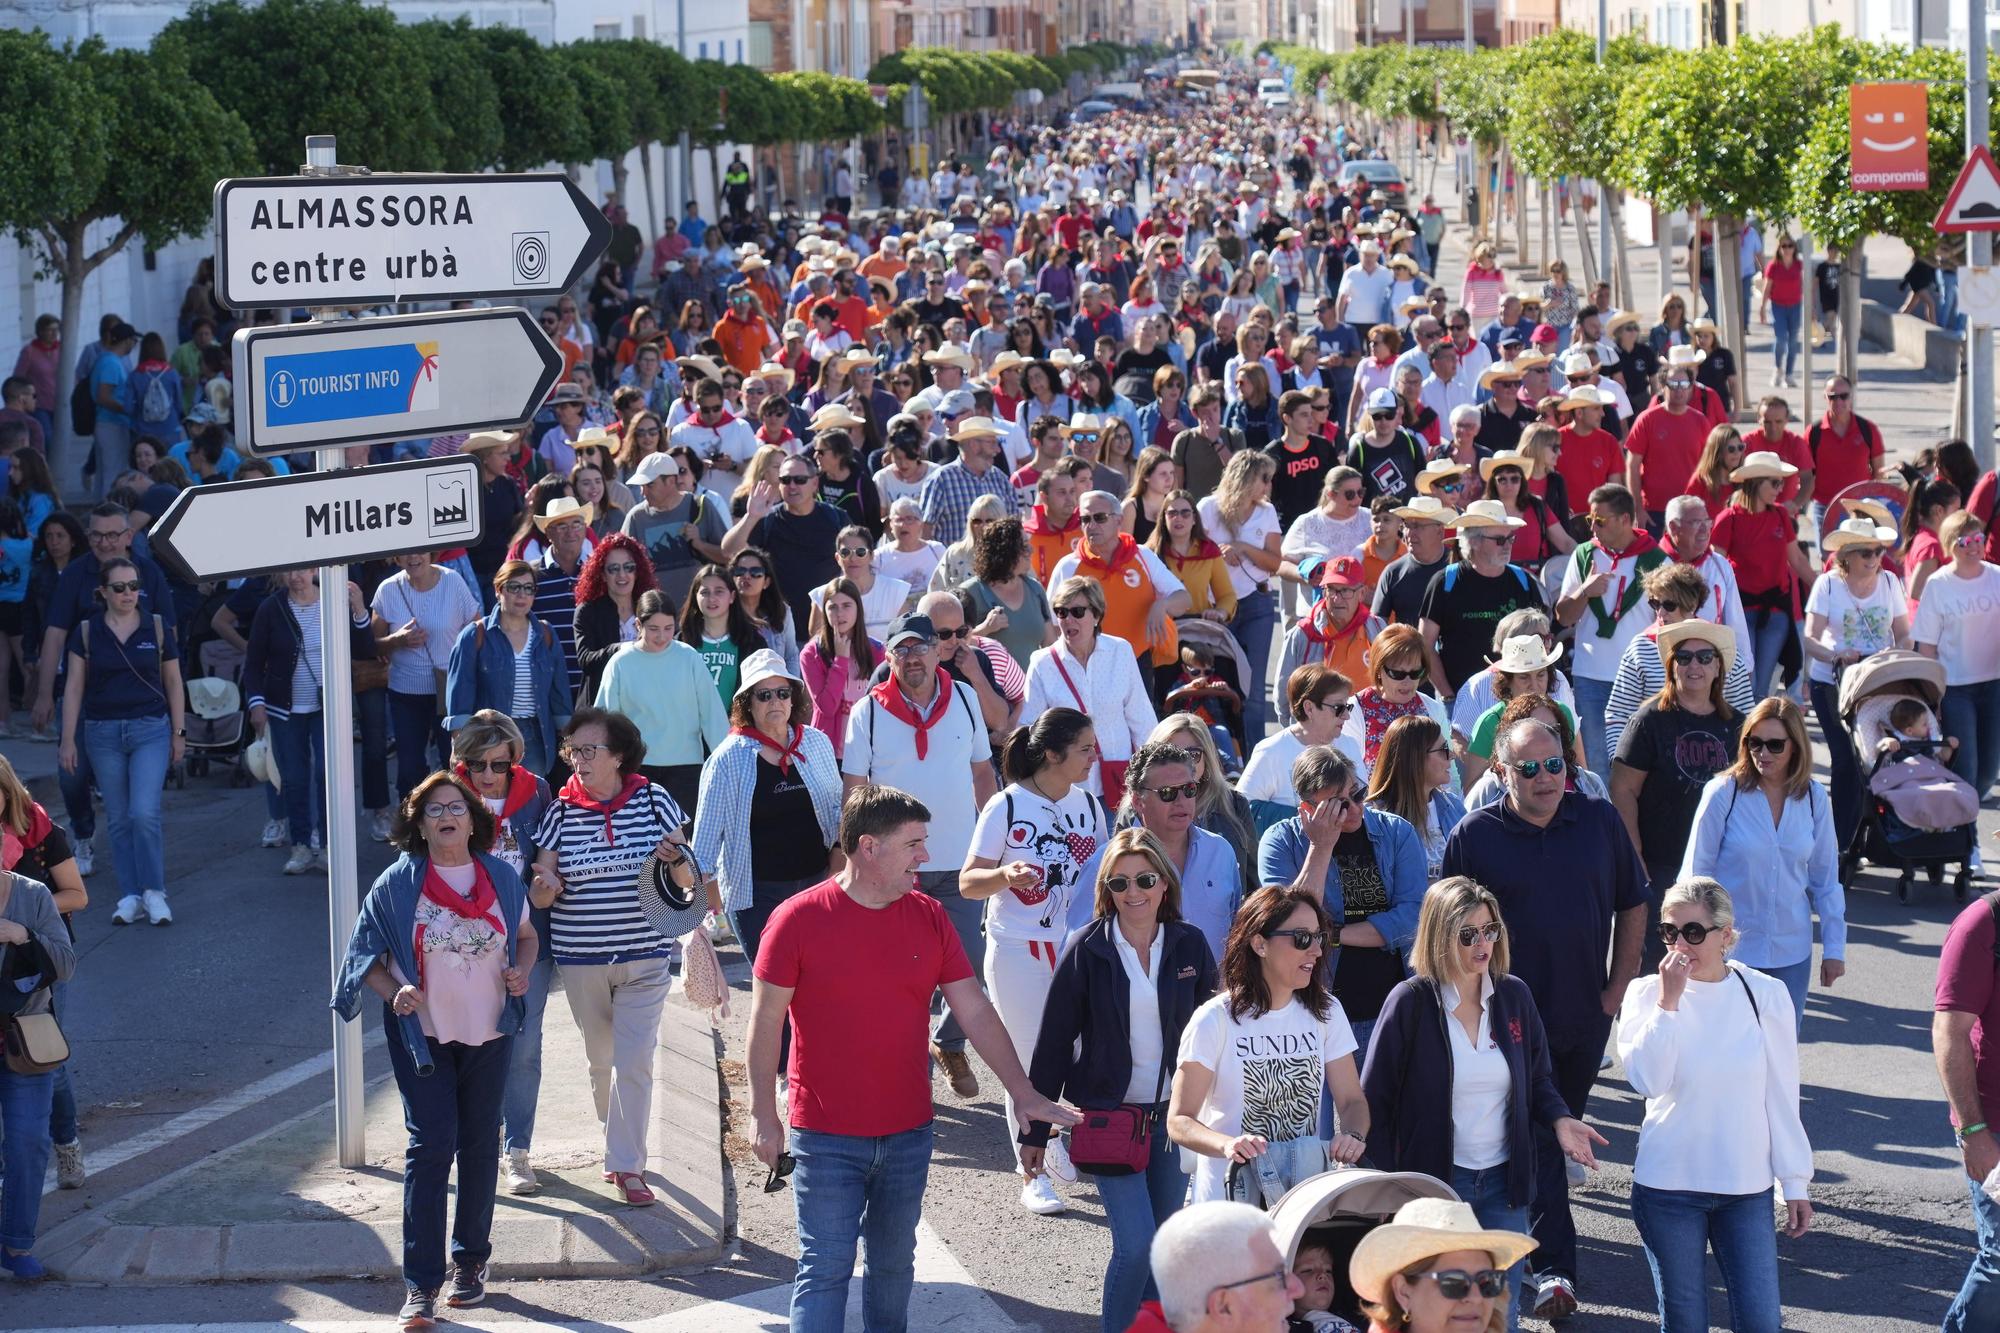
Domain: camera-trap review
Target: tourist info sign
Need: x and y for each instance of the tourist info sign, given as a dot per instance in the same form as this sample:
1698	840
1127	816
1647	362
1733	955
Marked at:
284	241
234	529
307	386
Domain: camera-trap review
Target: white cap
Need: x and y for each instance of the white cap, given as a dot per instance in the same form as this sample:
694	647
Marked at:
760	666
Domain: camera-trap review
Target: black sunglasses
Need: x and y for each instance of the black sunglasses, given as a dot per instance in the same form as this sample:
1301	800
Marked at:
1405	673
489	765
776	1180
1073	612
775	692
1454	1284
1694	656
1693	932
1773	745
749	572
1489	932
1187	790
1303	939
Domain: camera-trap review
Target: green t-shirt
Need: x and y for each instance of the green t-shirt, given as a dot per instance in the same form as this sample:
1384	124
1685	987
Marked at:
722	657
1481	742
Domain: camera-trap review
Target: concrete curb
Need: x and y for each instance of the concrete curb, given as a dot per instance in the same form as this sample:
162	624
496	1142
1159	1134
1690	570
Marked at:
570	1229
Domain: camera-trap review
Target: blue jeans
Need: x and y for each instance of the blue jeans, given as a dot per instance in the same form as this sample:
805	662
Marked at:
524	1068
1255	622
1591	698
1972	713
371	715
453	1114
1486	1191
417	727
1768	631
112	450
1796	976
24	1117
76	796
1678	1227
1977	1307
849	1190
62	1109
1842	770
1785	329
968	919
1135	1205
298	743
129	757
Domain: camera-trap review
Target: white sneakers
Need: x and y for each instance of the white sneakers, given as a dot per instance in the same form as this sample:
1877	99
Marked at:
520	1176
133	909
275	834
157	909
300	861
1055	1160
129	911
70	1174
379	825
1040	1197
86	855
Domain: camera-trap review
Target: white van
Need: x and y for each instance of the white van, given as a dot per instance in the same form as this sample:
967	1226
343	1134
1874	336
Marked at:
1272	92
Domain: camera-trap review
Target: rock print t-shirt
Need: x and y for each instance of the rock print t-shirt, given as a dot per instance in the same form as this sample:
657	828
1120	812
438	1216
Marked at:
1056	837
1270	1072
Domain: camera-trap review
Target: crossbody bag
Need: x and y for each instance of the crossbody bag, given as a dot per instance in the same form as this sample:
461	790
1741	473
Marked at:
1118	1142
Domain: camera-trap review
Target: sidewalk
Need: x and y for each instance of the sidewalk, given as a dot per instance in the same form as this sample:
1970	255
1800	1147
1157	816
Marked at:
278	1208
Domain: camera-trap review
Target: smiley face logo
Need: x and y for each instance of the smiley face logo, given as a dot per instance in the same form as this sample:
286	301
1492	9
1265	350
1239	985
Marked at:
1886	118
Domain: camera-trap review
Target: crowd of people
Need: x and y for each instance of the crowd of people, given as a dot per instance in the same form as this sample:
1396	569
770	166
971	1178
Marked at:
904	588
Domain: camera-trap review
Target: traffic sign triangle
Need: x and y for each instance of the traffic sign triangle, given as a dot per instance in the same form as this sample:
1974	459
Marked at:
1974	201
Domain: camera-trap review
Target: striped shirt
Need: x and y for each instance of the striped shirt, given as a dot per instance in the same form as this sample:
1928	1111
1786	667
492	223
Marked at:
306	670
524	680
597	918
555	606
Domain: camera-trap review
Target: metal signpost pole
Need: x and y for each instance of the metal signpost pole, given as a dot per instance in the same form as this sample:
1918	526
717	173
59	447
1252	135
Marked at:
1978	337
343	897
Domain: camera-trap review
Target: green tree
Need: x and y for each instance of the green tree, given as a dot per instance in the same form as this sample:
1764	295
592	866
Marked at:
541	114
452	58
290	68
126	138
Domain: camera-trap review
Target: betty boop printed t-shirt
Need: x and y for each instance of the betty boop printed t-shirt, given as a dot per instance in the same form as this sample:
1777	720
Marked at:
1270	1072
1058	838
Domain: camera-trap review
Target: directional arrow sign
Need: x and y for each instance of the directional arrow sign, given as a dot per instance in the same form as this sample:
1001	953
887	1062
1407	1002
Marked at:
283	241
398	378
237	528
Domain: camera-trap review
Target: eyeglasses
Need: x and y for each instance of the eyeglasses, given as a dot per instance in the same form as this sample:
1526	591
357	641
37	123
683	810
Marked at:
781	692
910	648
1073	612
1186	791
749	572
1302	939
1693	932
852	553
122	585
1279	1275
1529	768
1403	673
1489	932
98	536
1147	880
1694	656
519	589
794	480
709	409
646	432
1099	518
574	752
1771	745
441	809
489	765
1087	436
1454	1284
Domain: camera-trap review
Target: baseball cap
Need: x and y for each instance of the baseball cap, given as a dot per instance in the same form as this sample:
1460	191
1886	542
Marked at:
1382	400
1342	572
1544	333
912	626
654	466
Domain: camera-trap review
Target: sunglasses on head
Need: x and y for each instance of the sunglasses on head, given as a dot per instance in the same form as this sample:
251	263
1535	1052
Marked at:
1529	768
1693	932
1147	880
1454	1284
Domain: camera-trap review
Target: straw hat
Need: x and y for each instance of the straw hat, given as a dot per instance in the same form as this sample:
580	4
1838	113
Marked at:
1528	298
778	377
1513	458
1499	370
1624	319
1576	362
259	763
1528	361
950	355
596	435
1406	262
1062	358
1875	509
1287	234
703	364
1763	463
1085	422
1702	325
982	427
1413	304
854	358
1587	395
1720	637
562	508
480	441
753	263
1426	509
1007	360
1424	1229
1486	514
836	416
1526	652
1682	357
1435	471
1857	532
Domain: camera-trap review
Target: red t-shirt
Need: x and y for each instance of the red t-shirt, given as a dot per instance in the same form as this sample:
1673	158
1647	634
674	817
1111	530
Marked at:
1966	985
1841	459
1758	546
1671	445
1791	447
1985	494
1588	461
861	981
1784	284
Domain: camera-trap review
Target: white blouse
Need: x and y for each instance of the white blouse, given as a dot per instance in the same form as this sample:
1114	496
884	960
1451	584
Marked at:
1109	688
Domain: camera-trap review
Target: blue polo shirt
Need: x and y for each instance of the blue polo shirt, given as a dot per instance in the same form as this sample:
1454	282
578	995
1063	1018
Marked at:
1560	889
1211	888
75	596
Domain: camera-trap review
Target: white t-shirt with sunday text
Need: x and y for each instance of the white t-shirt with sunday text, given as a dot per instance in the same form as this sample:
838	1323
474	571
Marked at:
1962	617
1058	837
1270	1073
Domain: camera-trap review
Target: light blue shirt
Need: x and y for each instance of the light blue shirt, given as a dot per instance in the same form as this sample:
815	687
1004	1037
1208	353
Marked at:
1779	875
1211	888
1399	855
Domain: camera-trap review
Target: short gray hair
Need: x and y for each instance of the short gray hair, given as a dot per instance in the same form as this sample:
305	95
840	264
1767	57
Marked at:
1509	742
1198	1249
1105	496
931	601
906	505
1320	767
1462	411
1680	505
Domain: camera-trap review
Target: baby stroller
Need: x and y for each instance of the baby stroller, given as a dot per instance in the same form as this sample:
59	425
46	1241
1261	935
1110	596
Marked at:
217	727
1899	822
1220	646
1338	1208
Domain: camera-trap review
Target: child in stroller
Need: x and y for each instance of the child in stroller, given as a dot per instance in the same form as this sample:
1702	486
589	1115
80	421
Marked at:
1916	811
1907	726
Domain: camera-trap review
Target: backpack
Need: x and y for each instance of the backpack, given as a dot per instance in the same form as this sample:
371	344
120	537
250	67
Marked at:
158	403
1870	436
82	407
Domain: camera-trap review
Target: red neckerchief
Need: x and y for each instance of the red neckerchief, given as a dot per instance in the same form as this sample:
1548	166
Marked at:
13	846
787	751
1207	550
1126	552
573	793
483	905
520	788
900	706
1330	639
1037	523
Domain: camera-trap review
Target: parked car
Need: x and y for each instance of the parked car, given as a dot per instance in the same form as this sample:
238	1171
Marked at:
1384	176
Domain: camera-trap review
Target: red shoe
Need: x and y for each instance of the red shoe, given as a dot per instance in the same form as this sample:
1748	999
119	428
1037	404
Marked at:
633	1185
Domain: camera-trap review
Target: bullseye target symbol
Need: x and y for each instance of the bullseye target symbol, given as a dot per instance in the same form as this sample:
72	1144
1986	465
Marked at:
531	257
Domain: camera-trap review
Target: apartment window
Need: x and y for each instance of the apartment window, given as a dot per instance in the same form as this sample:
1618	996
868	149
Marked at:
982	22
607	32
704	51
759	49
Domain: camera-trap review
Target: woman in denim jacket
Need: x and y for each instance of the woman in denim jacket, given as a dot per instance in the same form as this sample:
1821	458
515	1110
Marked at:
510	662
444	940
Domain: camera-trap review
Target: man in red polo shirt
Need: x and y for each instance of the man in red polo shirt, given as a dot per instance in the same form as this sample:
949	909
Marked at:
1774	415
1845	448
1591	454
854	961
1665	444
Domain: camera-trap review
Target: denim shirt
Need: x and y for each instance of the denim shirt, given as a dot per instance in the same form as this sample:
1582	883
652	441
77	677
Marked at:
481	675
387	925
1399	853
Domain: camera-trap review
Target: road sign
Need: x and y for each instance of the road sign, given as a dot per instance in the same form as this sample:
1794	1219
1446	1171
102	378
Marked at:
1888	136
401	377
237	528
283	241
1974	201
